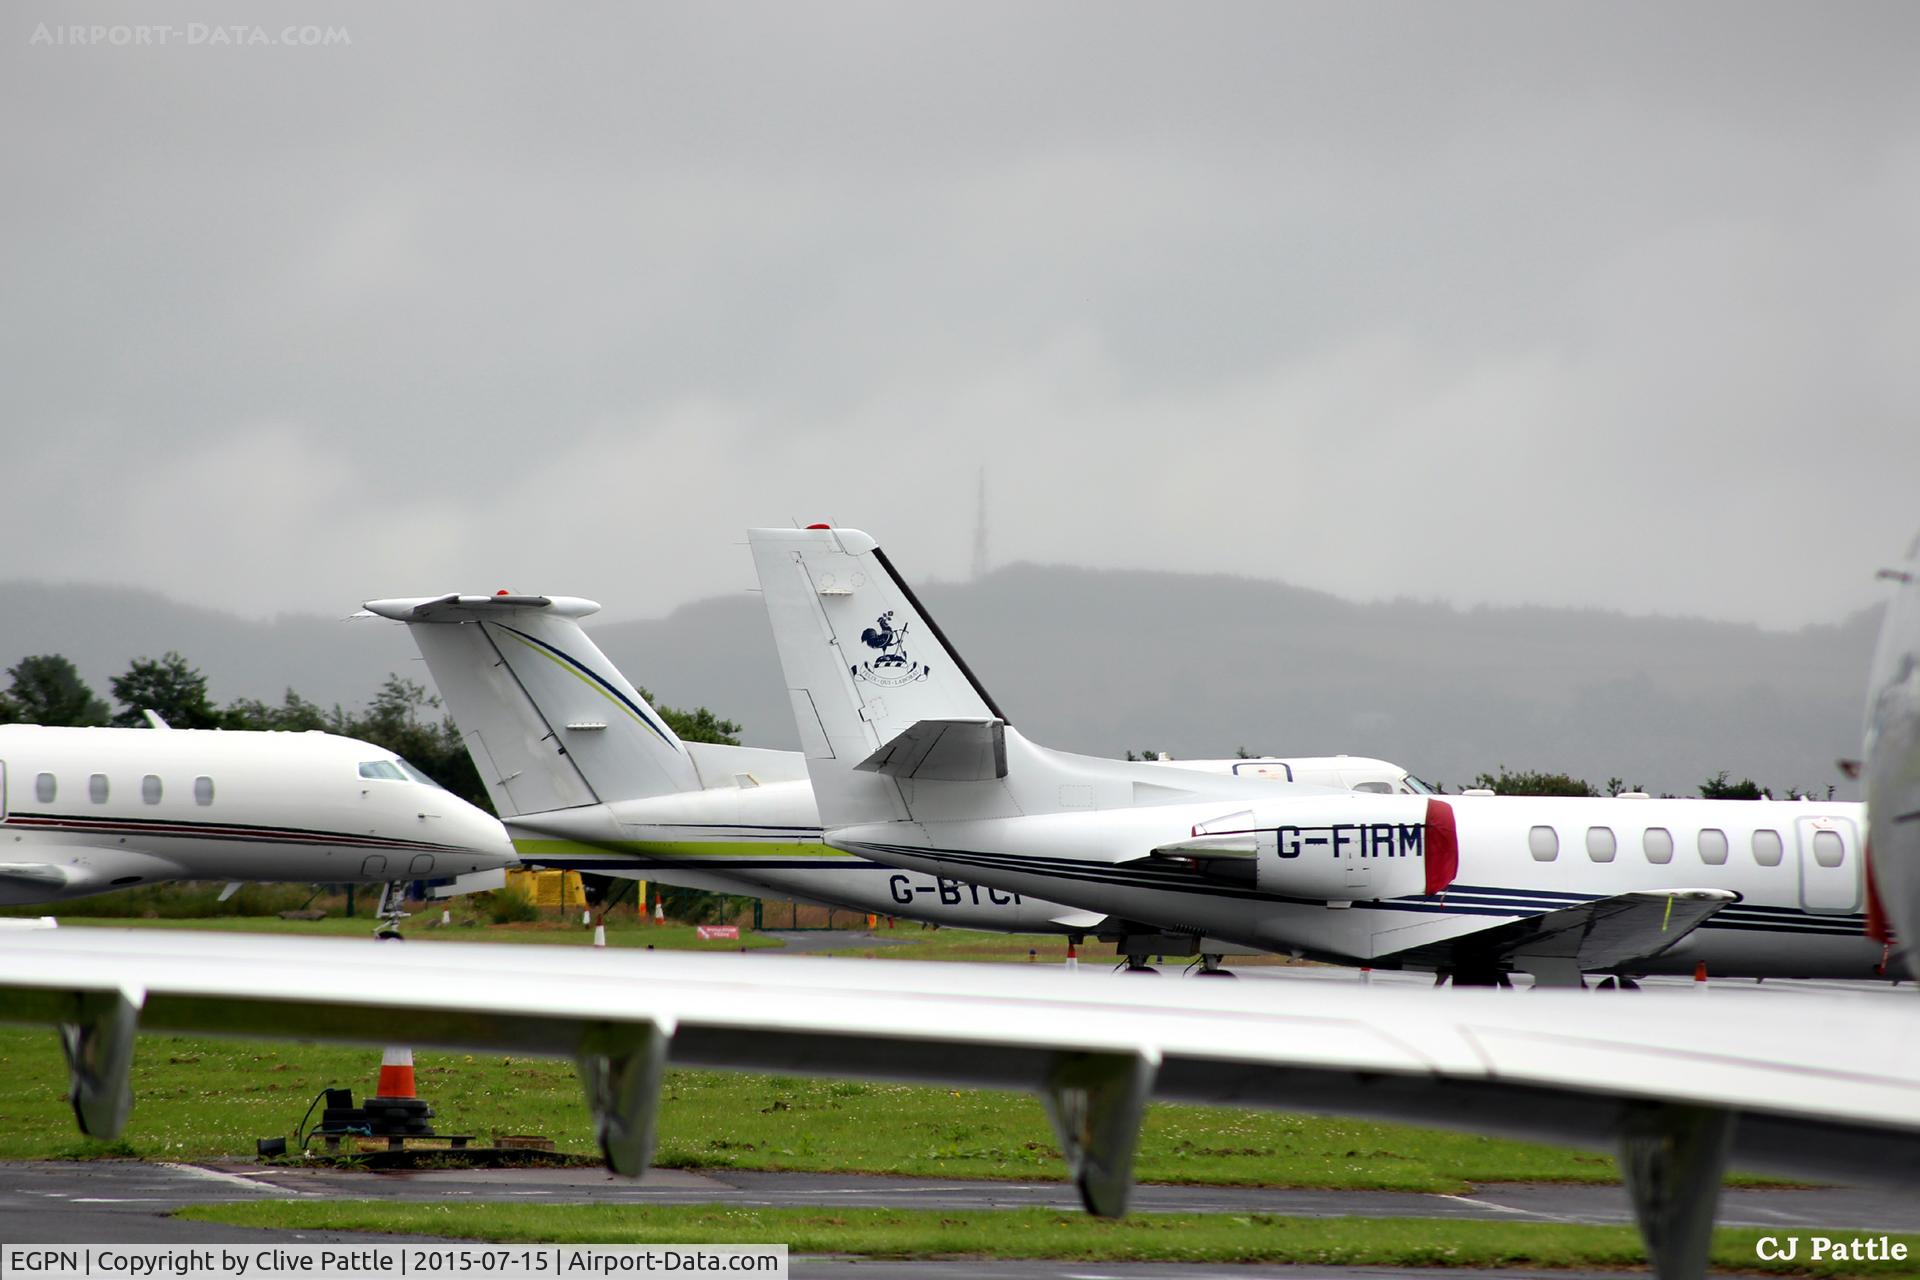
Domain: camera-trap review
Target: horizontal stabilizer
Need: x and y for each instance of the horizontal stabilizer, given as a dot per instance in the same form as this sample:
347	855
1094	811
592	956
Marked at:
1604	934
972	750
459	608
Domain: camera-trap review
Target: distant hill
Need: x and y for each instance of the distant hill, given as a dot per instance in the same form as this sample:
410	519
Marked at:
103	629
1104	661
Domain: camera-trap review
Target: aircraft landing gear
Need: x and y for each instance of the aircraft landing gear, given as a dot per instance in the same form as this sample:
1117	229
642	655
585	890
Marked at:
1621	983
1138	964
1210	968
392	895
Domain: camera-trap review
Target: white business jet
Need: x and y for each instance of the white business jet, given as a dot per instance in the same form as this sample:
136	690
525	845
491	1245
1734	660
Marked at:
913	764
88	811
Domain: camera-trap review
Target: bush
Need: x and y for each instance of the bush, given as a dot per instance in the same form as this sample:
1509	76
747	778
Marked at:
177	900
511	906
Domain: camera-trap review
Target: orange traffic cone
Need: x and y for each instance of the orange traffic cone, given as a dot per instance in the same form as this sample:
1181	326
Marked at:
396	1073
1700	973
1073	956
659	912
394	1111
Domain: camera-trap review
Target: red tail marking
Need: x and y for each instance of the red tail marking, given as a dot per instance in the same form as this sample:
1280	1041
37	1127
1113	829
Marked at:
1443	846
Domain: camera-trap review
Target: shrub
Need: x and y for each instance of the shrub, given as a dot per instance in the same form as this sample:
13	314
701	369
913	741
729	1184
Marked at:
511	906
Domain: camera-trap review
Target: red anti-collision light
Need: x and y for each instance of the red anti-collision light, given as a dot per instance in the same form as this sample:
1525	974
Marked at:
1443	846
819	526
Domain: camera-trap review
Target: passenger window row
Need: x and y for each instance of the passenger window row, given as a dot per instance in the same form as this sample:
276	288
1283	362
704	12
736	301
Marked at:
46	789
1769	850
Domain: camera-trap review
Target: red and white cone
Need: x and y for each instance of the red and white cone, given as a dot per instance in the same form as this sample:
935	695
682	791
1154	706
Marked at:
396	1073
1700	974
599	935
1073	956
394	1111
659	912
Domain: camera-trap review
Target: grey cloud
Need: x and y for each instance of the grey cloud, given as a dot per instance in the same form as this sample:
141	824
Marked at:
1572	304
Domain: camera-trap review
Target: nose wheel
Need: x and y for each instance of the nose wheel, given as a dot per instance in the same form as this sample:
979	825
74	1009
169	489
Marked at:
387	919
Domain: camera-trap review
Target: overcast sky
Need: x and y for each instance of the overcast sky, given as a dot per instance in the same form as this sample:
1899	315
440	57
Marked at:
1612	305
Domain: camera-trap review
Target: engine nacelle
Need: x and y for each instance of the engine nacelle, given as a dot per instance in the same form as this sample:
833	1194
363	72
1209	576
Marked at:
1396	847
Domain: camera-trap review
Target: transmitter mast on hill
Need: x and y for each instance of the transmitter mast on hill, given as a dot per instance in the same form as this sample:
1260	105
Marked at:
980	530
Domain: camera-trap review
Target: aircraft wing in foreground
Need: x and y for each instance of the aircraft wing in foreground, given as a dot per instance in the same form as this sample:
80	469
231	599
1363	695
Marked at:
1677	1083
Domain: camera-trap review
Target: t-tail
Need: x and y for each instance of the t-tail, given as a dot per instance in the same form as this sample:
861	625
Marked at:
894	725
550	722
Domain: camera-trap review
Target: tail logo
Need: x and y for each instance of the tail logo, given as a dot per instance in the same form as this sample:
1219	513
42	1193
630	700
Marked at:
890	668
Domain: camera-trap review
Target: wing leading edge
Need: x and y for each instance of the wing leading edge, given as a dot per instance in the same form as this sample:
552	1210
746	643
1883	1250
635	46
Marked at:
1661	1078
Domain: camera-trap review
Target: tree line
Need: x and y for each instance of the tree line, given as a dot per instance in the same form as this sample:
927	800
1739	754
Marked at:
401	716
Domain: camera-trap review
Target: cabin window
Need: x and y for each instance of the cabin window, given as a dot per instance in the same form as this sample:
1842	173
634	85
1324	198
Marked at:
45	788
1544	843
386	769
1375	788
1829	850
1658	842
203	790
1713	846
1601	844
150	789
97	788
1767	849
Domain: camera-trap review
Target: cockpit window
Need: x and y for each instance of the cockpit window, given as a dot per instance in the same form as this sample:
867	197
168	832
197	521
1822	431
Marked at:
395	770
415	774
1418	787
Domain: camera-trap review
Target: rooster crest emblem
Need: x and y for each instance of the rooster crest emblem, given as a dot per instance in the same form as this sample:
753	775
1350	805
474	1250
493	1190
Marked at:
890	667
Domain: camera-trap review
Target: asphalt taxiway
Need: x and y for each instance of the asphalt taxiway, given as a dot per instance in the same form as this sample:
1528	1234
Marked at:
99	1201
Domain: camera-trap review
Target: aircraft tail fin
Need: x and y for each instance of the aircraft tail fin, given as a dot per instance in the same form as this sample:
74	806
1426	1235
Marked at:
549	721
893	724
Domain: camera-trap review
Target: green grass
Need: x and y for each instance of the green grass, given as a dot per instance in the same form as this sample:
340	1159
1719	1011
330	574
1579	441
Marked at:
625	932
1035	1233
203	1098
910	942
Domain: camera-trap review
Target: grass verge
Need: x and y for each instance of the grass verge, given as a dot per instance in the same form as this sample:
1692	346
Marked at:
626	932
1039	1233
204	1098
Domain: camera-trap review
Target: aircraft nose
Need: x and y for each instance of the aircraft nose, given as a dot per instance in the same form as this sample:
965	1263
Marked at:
493	842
